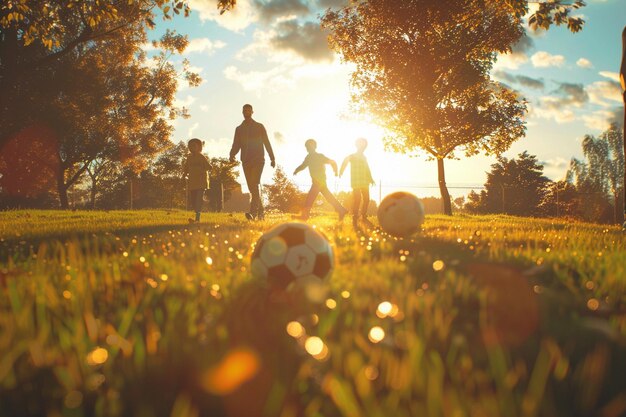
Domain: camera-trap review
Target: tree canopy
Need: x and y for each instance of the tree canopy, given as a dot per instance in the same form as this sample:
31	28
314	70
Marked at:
422	71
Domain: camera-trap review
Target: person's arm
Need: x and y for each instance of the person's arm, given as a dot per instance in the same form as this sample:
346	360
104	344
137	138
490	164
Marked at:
369	173
344	164
302	166
207	164
268	146
236	145
332	164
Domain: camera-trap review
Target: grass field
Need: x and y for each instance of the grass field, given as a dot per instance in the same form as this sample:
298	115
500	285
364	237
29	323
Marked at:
140	314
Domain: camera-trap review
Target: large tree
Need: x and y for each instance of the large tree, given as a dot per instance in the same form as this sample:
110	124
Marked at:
422	71
111	105
35	35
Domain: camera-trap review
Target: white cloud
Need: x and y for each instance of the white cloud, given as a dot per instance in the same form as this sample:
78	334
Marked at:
258	80
556	163
601	91
280	76
205	45
610	75
185	102
148	47
192	129
553	108
511	61
584	63
518	55
204	108
285	66
543	59
598	120
236	20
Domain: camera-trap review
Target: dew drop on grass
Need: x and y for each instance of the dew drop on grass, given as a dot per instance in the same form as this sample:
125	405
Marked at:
438	265
295	329
593	304
376	334
371	372
384	309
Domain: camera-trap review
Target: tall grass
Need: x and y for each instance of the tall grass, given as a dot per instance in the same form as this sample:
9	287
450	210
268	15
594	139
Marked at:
138	313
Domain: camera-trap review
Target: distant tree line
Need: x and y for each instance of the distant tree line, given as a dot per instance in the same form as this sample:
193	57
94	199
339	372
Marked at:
592	189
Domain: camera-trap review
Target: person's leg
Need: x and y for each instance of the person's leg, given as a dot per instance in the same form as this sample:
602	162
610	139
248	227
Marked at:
310	199
333	201
252	172
196	201
366	201
356	201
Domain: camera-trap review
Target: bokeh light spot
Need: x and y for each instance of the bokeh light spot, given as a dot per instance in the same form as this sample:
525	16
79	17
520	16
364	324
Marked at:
376	334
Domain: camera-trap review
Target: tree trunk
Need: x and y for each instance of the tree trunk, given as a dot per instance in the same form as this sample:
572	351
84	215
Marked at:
93	194
92	176
8	78
445	195
62	189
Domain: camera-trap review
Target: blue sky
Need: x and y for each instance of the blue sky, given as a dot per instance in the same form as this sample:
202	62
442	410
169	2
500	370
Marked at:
270	53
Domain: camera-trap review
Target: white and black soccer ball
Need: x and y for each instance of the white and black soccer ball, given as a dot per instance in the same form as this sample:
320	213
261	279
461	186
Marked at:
291	255
400	214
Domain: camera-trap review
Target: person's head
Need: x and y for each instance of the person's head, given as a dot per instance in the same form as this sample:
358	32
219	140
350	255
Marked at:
310	145
361	144
195	145
247	111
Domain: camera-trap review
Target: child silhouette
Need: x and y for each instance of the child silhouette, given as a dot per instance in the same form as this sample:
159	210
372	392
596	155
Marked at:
316	162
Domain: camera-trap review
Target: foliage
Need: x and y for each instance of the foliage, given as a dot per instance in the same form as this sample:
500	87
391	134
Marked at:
223	172
427	79
107	104
601	176
514	186
422	71
282	193
561	199
137	314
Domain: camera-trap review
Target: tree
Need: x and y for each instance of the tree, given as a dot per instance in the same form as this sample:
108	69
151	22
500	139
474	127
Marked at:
35	35
108	104
561	199
283	195
422	71
515	186
601	176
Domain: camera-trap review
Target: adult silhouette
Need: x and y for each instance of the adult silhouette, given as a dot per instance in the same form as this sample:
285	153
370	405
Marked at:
251	139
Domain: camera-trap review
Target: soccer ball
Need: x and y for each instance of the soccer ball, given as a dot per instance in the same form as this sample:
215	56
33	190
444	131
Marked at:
293	255
400	214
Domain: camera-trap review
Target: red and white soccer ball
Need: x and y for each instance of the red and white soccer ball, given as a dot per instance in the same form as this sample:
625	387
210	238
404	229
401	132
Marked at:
400	214
294	256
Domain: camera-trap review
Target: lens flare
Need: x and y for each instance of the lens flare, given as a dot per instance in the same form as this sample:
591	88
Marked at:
376	334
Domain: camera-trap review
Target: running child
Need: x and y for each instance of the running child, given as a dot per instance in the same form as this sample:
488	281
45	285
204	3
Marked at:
316	162
360	179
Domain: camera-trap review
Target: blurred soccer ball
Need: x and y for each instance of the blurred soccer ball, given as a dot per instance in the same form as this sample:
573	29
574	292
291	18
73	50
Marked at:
400	214
294	257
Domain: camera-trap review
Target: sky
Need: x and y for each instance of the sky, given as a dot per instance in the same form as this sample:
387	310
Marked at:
273	55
